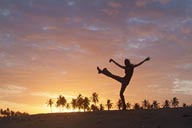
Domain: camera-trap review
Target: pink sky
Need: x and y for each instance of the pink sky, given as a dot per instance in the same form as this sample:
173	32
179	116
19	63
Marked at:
48	48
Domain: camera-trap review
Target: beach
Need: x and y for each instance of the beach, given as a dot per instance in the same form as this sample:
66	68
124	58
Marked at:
161	118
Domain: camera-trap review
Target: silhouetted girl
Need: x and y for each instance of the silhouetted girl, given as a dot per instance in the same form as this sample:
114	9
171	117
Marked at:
129	69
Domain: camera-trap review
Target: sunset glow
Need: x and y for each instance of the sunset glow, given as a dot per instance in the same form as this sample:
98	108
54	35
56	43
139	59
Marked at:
52	47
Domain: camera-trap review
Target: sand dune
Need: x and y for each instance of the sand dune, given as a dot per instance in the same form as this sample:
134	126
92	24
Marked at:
162	118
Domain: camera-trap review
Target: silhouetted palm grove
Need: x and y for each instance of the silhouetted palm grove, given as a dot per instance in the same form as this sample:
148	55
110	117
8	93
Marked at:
83	103
10	113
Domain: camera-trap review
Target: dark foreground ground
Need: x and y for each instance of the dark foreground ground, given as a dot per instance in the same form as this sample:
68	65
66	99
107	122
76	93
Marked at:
162	118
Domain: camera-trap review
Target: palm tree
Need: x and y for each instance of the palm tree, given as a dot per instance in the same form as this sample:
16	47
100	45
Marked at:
61	101
136	106
155	105
80	102
1	112
128	105
94	107
95	98
166	104
101	107
50	103
184	105
18	113
86	103
145	104
175	102
119	104
12	113
7	112
58	104
67	106
74	103
109	104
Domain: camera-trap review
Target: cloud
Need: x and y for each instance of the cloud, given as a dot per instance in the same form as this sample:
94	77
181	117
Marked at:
110	12
115	4
164	1
186	26
187	66
183	25
182	86
93	27
155	86
137	45
50	95
140	20
70	2
12	89
49	28
141	42
143	3
5	12
60	47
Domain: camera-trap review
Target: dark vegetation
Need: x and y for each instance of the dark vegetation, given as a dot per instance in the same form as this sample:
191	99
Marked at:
10	113
139	115
82	103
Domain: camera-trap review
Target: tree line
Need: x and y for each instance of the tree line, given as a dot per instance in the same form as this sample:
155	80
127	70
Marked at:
10	113
83	103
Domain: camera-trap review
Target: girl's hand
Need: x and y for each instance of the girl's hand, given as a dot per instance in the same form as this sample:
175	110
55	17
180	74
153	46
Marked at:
147	59
111	60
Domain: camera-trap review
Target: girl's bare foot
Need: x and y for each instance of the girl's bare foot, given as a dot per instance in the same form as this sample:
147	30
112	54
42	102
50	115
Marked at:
99	70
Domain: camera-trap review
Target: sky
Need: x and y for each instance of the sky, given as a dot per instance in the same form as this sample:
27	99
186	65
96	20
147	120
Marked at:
52	47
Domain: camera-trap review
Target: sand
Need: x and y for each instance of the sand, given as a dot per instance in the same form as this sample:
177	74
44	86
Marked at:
161	118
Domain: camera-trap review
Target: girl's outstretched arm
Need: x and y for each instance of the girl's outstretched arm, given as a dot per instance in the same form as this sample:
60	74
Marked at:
147	59
111	60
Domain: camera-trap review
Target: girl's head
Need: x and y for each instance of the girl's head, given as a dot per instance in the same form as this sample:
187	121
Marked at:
127	62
